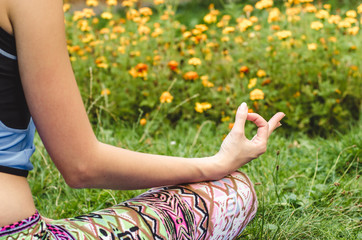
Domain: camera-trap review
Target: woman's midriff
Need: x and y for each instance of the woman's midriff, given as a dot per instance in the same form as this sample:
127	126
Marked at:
16	200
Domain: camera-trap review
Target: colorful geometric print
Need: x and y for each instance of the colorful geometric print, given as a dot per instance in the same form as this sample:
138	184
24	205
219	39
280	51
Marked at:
20	226
208	210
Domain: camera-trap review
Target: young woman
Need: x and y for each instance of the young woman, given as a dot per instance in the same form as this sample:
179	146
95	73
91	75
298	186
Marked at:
37	88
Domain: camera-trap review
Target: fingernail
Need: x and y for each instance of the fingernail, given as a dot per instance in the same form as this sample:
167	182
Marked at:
243	106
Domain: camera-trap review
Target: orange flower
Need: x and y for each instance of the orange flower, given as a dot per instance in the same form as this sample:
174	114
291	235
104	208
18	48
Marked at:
191	75
172	65
166	97
231	125
244	69
266	81
105	92
256	94
141	67
143	121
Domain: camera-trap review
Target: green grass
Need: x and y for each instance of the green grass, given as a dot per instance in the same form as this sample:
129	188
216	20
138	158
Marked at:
311	190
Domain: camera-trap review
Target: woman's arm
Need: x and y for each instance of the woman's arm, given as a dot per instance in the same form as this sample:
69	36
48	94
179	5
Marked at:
58	112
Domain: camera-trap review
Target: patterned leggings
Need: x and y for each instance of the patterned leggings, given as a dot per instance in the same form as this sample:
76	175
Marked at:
207	210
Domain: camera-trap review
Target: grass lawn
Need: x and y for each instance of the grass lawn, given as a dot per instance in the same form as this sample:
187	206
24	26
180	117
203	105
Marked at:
308	188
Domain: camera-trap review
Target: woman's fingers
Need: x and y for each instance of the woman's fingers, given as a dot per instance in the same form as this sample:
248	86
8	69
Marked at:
263	126
274	122
240	118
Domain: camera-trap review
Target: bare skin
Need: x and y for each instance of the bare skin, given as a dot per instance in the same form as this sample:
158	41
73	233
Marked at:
62	123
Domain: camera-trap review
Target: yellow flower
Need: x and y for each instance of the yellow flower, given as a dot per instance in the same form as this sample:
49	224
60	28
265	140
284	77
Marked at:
201	107
334	19
312	46
310	8
194	61
353	30
107	15
66	7
105	92
92	3
322	14
145	11
344	24
111	2
210	18
142	29
228	30
205	81
127	3
359	8
248	8
252	83
166	97
351	14
316	25
256	94
143	121
261	73
274	15
158	2
264	4
283	34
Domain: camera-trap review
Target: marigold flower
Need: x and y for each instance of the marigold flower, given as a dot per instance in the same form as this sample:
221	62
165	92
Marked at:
143	121
283	34
359	8
107	15
264	4
316	25
166	97
158	2
351	13
194	61
274	15
335	19
191	75
231	125
92	3
312	46
322	14
310	8
66	7
210	18
353	30
344	24
201	107
141	67
228	30
256	94
105	92
145	11
266	82
252	82
205	81
173	65
111	2
248	8
244	69
261	73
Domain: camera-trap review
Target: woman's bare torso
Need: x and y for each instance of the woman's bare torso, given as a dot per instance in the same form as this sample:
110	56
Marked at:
16	201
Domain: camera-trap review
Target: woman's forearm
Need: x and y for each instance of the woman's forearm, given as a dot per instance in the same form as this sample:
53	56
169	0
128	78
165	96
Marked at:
117	168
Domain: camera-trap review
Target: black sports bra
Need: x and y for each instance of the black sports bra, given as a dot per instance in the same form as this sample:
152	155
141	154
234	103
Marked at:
14	111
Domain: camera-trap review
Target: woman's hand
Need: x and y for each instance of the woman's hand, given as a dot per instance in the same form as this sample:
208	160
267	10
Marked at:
236	150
